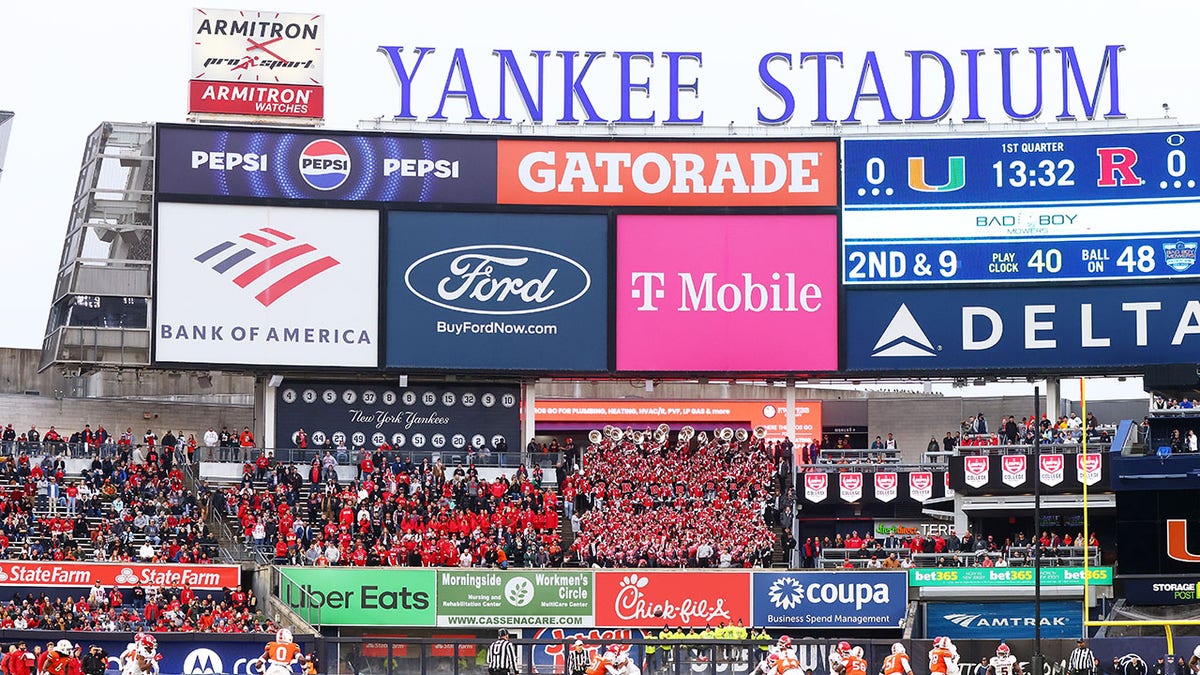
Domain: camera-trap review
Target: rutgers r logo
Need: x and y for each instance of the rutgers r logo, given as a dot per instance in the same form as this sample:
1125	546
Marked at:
1177	546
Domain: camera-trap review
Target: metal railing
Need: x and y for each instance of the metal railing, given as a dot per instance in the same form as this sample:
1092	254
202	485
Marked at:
351	457
1015	556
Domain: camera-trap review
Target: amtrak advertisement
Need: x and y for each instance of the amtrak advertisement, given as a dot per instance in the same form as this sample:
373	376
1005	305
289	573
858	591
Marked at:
440	418
1002	620
1057	329
830	599
324	166
474	291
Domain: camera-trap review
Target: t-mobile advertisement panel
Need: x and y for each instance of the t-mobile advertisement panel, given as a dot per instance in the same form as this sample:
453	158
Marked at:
748	293
497	291
262	286
324	166
1057	329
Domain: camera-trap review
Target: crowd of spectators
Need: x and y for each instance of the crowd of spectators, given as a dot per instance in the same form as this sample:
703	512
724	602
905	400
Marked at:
394	513
952	550
138	608
683	505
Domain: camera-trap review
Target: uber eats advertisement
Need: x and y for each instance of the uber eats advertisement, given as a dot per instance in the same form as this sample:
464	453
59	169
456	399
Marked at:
537	598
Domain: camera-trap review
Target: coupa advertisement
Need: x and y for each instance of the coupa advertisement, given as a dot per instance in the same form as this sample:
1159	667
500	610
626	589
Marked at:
450	418
324	166
497	291
727	293
829	599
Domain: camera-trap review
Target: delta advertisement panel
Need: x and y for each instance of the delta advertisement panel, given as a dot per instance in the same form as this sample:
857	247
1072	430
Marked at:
830	599
263	286
514	598
497	291
1055	329
441	417
1003	620
360	597
1021	208
640	599
727	293
667	173
324	166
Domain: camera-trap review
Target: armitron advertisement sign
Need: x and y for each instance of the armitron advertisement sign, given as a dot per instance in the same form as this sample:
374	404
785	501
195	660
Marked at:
257	63
77	574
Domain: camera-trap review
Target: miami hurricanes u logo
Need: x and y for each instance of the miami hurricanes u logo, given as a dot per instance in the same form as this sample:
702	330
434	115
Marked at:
956	177
1177	548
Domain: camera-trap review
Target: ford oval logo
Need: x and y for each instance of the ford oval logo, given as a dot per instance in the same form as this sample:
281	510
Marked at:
497	279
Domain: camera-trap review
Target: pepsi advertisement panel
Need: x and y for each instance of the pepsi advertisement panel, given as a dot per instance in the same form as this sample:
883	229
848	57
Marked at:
1002	620
434	417
471	291
854	599
324	166
1060	329
1106	168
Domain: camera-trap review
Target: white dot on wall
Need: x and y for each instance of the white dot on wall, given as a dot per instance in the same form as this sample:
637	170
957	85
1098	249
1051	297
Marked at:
1162	185
862	192
874	192
889	192
1191	183
1178	184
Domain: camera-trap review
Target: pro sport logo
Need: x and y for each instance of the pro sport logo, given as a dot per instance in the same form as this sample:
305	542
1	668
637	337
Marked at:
1180	256
324	164
267	260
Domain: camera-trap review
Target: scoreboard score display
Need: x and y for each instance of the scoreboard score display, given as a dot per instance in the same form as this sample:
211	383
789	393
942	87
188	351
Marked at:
1021	209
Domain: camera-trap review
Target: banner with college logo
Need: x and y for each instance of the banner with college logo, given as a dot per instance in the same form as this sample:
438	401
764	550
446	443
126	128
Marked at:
946	481
266	286
816	486
975	470
1013	470
850	485
1050	469
887	485
497	291
1087	467
448	417
855	599
920	485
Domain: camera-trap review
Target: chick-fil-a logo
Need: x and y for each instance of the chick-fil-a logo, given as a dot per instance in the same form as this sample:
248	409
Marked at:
678	598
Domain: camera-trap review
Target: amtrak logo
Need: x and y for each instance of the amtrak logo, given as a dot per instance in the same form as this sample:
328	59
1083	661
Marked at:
785	593
964	620
903	337
1180	256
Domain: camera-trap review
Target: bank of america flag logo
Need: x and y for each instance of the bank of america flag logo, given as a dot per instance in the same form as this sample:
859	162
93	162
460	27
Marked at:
903	337
266	260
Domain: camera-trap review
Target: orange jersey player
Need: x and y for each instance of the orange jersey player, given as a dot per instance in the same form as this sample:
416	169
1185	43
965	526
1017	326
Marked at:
278	656
896	663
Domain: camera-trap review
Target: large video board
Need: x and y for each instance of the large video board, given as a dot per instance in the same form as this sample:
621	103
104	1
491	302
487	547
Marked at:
1020	209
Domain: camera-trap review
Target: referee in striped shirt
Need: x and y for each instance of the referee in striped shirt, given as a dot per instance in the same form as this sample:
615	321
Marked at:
578	660
502	656
1082	661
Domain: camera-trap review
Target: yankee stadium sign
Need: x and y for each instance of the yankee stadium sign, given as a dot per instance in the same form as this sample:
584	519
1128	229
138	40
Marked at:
649	86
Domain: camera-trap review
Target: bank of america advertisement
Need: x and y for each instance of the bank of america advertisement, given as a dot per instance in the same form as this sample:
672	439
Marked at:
742	293
830	599
476	291
1055	328
255	285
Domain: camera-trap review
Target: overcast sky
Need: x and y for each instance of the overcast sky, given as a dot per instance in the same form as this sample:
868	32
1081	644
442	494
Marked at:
68	69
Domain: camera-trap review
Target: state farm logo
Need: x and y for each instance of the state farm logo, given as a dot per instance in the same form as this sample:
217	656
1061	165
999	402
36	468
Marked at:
705	292
975	471
266	260
497	279
1012	468
632	604
324	164
126	576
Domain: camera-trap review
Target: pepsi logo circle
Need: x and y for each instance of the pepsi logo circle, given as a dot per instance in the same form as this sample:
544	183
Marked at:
324	164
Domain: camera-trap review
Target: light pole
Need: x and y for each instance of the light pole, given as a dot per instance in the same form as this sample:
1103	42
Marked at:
1038	659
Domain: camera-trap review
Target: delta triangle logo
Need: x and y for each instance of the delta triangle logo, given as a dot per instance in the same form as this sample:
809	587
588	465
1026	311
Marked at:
903	337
